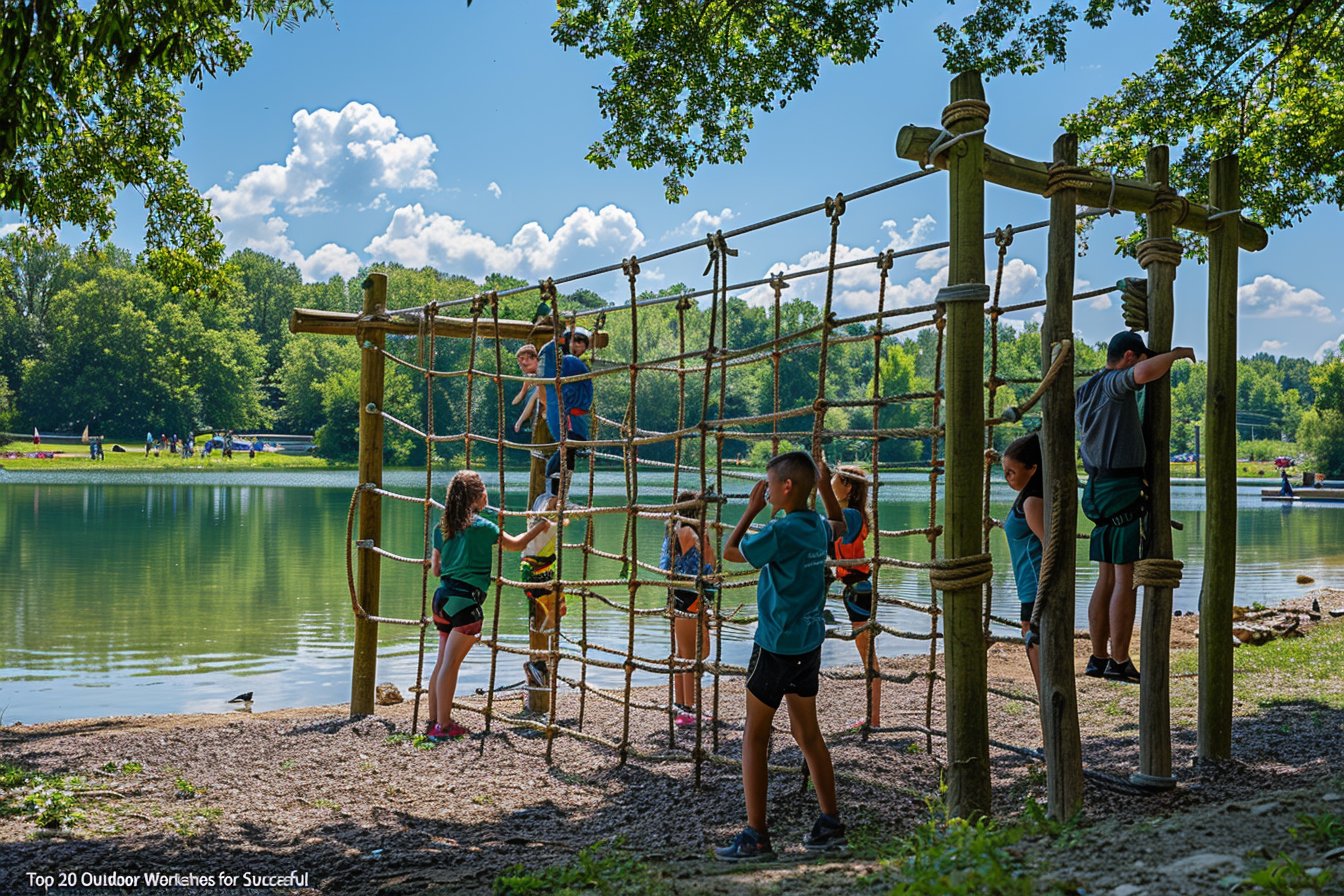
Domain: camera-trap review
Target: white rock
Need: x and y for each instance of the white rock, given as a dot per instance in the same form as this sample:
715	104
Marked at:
1128	890
1265	808
1202	862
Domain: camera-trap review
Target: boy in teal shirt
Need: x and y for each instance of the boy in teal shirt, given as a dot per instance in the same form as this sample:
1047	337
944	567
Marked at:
790	552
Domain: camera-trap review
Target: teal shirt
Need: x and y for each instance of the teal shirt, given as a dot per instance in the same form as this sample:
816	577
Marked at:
790	552
1025	549
467	556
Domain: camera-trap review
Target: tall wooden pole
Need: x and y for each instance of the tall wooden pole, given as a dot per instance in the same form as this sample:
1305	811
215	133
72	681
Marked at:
964	649
1155	632
1059	695
1220	549
370	505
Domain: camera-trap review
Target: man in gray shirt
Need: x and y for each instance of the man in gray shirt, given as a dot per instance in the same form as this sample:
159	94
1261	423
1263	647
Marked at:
1110	440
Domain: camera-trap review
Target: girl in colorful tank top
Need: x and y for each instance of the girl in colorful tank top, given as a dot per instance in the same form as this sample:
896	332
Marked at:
1025	527
850	485
688	554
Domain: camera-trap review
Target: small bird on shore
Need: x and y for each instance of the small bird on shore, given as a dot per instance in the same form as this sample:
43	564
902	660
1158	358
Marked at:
245	699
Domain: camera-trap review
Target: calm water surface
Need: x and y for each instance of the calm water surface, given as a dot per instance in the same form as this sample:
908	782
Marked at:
172	593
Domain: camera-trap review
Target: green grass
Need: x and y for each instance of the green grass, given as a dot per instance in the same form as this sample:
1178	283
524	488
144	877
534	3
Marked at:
50	800
1309	667
76	457
603	869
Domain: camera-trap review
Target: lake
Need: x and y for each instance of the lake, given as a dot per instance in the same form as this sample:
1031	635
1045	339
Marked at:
152	593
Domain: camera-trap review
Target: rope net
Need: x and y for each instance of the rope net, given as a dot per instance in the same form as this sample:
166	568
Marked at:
672	351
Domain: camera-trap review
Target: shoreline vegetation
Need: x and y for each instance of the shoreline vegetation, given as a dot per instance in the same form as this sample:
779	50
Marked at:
75	457
366	806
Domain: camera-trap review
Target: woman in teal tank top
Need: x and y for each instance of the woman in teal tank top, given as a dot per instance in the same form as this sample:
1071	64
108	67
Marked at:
1025	526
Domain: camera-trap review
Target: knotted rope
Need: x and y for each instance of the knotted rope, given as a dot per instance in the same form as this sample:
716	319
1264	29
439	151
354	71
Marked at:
1161	250
1063	176
961	110
959	573
1134	302
1158	572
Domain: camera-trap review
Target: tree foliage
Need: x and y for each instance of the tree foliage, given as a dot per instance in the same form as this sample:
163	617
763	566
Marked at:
1259	77
91	104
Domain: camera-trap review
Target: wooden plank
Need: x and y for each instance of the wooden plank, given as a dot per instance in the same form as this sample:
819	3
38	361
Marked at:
1214	741
1008	170
344	323
968	785
1059	693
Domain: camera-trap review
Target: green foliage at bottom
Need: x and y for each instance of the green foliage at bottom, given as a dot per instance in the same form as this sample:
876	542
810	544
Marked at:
603	868
52	801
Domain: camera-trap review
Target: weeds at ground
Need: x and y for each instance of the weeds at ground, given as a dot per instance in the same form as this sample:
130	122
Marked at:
603	869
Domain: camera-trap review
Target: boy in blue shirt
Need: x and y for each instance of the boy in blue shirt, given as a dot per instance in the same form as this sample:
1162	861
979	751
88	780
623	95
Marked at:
790	552
578	395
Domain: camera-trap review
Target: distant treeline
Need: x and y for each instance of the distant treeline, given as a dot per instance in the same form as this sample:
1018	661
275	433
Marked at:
114	343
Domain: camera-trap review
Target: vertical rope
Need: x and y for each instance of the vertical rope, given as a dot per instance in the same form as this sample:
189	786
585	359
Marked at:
710	352
501	424
588	533
548	291
1003	238
426	336
723	253
778	284
884	264
631	454
471	373
835	207
683	305
935	470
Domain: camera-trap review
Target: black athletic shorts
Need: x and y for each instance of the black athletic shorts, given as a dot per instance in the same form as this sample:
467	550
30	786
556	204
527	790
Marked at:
1027	608
772	675
458	606
858	597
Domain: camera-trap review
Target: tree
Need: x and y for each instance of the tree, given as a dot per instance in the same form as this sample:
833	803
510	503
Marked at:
91	105
1262	77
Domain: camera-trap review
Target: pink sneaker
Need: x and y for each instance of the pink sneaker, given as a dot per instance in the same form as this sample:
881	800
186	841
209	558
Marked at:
687	720
438	733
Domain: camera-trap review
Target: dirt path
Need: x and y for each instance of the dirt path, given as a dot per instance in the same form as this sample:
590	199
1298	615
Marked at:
308	792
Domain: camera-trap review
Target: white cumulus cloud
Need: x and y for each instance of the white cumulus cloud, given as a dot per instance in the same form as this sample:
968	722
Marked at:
1269	296
1273	346
1101	302
416	238
494	189
700	223
1329	347
346	159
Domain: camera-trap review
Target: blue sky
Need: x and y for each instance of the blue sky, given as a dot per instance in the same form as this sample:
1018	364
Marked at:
429	133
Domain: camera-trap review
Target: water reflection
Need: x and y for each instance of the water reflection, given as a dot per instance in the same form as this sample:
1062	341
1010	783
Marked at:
129	593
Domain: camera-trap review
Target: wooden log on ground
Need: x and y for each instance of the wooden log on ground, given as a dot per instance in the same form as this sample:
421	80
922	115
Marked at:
1008	170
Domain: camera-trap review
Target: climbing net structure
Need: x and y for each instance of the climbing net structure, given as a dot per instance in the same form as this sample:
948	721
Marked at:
959	413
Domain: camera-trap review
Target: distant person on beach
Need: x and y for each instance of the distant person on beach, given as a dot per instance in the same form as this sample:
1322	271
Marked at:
1286	487
790	552
464	544
1025	528
850	484
1110	440
528	362
149	442
688	554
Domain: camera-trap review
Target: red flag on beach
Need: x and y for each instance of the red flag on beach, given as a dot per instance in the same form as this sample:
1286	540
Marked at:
37	439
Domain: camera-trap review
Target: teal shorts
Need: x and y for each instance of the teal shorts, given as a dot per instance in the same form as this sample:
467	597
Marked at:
1103	500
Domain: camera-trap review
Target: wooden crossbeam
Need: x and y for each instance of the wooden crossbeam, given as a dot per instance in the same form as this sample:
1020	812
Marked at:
1015	172
344	323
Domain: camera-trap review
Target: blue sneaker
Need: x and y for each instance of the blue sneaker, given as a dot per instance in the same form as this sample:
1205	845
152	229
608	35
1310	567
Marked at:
748	846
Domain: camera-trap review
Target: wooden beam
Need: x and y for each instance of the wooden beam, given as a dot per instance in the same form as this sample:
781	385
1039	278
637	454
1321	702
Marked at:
343	323
1059	693
968	784
1155	632
368	579
1008	170
1214	741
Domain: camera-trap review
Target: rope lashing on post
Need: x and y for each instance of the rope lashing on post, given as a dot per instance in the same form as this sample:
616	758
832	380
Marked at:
1169	200
1158	572
1063	176
960	573
1160	250
1060	352
961	110
1134	302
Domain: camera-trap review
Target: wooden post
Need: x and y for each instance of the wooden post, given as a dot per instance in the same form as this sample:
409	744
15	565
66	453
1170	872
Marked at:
964	649
1059	695
1155	632
1220	550
367	579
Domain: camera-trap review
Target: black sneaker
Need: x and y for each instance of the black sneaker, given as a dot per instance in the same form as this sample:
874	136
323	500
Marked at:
828	835
748	846
1096	666
1124	672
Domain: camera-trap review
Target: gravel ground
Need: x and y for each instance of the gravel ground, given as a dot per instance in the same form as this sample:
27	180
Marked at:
257	797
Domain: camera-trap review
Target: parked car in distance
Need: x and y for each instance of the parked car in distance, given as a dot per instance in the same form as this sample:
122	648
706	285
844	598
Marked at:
1184	458
1284	462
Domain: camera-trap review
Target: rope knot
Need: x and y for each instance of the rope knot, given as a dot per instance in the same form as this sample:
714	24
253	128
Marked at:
961	573
631	267
547	289
1063	176
1003	236
835	205
1158	572
1161	250
778	283
820	405
886	260
1168	200
1134	302
963	110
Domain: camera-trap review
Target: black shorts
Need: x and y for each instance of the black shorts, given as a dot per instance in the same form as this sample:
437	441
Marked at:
685	601
858	597
772	675
457	606
1027	607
